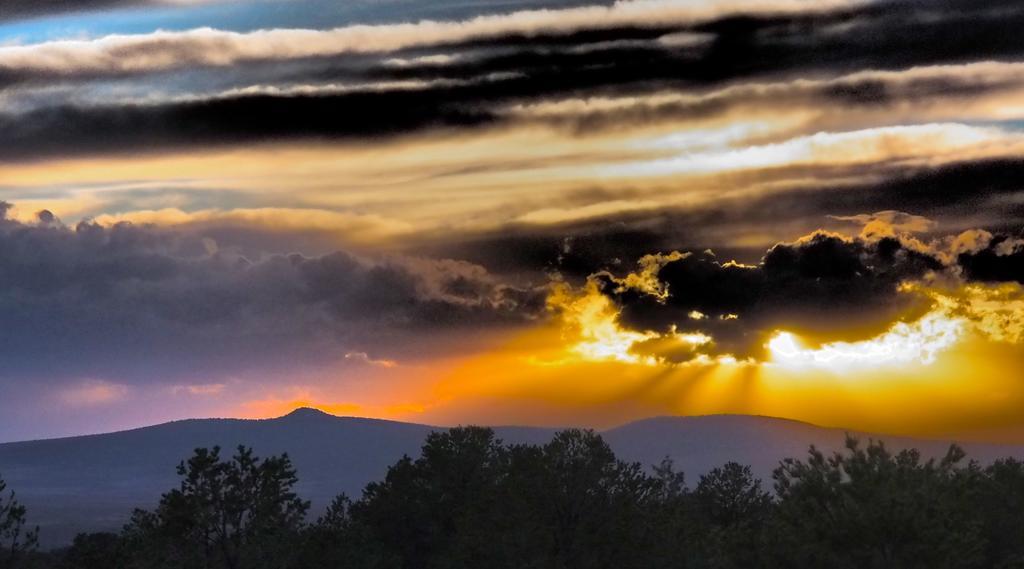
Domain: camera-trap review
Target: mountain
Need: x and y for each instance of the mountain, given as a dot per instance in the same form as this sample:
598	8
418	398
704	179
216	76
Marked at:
92	483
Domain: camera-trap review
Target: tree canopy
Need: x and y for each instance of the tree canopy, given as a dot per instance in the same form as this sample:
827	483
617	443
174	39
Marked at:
471	501
16	538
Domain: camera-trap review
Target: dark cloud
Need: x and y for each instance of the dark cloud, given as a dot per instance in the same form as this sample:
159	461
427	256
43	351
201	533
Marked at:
505	69
572	250
983	192
18	9
877	35
957	196
824	286
869	91
880	35
140	302
1002	260
70	130
315	10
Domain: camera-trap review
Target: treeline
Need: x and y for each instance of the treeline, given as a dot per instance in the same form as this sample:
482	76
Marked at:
472	502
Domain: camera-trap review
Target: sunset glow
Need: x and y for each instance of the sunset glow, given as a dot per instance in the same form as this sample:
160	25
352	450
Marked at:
528	212
917	343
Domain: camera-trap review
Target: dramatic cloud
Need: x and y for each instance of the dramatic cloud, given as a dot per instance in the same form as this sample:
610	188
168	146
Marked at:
738	222
1001	260
246	207
224	121
358	81
15	9
140	302
168	50
825	287
978	89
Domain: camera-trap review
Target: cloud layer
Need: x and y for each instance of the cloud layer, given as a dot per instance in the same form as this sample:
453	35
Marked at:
258	211
138	302
398	78
824	286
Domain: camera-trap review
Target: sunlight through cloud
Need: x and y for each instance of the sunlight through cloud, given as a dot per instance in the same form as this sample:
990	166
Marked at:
919	342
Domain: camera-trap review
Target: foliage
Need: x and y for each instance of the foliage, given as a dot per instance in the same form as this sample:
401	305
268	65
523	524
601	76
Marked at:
96	551
236	513
16	540
470	501
870	508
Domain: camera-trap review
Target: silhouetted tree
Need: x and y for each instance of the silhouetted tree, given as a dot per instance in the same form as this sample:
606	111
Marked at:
95	551
869	508
16	539
329	542
577	505
999	499
470	502
733	509
231	514
669	521
423	510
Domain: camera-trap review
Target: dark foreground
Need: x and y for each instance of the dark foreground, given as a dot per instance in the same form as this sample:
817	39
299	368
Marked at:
470	501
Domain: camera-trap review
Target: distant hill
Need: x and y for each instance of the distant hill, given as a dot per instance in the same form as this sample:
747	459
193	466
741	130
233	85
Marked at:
92	483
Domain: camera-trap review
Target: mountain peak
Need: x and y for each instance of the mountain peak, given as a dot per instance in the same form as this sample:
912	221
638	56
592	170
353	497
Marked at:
307	413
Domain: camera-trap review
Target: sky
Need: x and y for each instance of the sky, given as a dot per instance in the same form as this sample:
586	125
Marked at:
512	212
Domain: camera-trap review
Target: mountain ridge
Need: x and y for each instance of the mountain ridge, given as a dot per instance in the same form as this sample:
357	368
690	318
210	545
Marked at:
311	412
93	482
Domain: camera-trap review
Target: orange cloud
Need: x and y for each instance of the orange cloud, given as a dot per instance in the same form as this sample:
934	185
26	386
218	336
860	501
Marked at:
92	392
